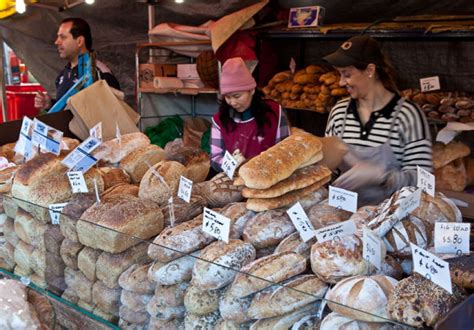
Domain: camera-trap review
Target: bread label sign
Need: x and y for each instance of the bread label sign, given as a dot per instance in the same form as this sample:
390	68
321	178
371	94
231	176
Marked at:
96	131
343	199
425	181
229	164
55	211
431	267
216	225
301	222
80	159
409	204
185	189
24	146
372	250
452	237
430	84
335	232
46	137
78	184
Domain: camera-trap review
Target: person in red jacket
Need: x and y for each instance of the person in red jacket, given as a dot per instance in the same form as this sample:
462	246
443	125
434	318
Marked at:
245	121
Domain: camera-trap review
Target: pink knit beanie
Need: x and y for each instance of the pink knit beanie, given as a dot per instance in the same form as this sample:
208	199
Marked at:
235	77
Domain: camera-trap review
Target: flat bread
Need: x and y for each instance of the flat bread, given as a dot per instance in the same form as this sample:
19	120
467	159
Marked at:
313	160
301	178
264	204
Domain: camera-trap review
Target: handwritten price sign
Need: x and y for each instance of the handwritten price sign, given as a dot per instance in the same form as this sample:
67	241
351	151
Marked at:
77	182
344	199
425	181
336	231
301	222
185	189
216	225
372	250
229	164
452	237
430	84
55	211
409	204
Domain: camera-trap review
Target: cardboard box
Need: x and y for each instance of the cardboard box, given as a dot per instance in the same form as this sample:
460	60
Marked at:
306	16
148	71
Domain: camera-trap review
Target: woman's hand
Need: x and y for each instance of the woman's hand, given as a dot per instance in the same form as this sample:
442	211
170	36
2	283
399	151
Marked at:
362	174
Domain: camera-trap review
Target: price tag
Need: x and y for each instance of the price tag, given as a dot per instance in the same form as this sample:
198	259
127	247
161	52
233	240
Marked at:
430	84
336	231
452	237
171	211
24	146
425	181
216	225
55	211
46	137
229	164
118	135
409	204
372	250
78	184
185	189
293	65
344	199
96	131
25	280
80	159
431	267
301	222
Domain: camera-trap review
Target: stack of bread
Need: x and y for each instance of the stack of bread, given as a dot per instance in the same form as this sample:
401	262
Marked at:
9	239
313	88
284	173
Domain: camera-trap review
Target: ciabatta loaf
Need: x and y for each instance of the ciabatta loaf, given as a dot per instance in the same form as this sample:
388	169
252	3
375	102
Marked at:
280	161
136	163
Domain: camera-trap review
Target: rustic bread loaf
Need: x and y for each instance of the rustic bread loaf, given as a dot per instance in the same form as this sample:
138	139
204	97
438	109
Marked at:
28	229
362	298
135	279
301	178
69	252
72	212
110	266
230	325
233	308
113	151
183	211
322	215
113	176
136	163
185	237
9	231
263	272
135	301
409	230
219	191
462	270
196	160
9	206
294	243
444	154
51	239
22	256
106	316
137	318
120	190
337	321
121	221
46	264
6	179
201	302
174	272
219	263
452	176
77	282
285	321
161	188
268	228
86	262
70	295
308	201
417	301
164	312
296	293
194	321
7	256
157	324
107	299
169	295
280	161
238	215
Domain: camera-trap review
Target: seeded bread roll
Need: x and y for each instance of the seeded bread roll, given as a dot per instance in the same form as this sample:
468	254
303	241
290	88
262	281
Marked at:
136	163
201	302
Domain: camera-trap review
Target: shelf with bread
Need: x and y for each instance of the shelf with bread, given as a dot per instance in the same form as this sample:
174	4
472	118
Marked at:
184	91
131	256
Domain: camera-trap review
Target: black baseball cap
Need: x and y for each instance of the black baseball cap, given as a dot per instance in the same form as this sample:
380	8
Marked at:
358	50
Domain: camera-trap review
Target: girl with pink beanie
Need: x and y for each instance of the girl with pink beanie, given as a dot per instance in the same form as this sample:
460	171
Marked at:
245	121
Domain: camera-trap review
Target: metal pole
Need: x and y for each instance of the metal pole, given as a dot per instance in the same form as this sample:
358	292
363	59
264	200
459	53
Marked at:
3	95
151	25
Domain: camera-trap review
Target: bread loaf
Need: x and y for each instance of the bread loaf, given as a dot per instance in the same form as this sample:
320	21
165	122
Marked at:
308	201
46	264
322	215
21	271
51	239
188	236
9	206
196	160
9	231
164	312
193	321
462	270
261	273
201	302
219	263
219	191
110	266
157	324
230	325
409	230
170	295
6	179
23	254
285	321
362	297
298	292
120	190
234	309
294	243
174	272
417	301
280	161
136	162
107	299
135	317
70	295
77	282
238	215
106	316
7	256
28	229
135	301
121	221
452	176
183	211
69	252
161	181
135	279
268	228
336	321
113	151
113	176
444	154
72	212
86	262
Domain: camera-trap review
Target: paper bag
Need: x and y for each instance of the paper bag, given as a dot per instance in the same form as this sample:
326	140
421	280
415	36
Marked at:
101	103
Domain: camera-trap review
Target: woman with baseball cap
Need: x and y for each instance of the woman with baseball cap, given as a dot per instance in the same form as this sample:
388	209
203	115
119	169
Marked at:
245	121
387	136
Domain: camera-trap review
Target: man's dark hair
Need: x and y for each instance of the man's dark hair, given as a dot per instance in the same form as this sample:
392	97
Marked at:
80	28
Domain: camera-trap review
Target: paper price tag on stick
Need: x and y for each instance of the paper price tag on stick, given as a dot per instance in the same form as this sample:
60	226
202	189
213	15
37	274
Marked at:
409	204
77	182
336	231
301	222
46	137
185	189
425	181
342	198
430	84
55	212
216	225
372	249
229	164
452	237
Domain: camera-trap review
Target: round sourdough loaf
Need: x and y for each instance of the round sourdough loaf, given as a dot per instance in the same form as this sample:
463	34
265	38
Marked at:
294	243
362	298
196	160
322	215
201	302
136	163
135	279
113	176
238	215
337	321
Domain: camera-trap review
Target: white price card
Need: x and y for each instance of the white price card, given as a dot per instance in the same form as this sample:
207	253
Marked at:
293	65
216	225
431	267
372	250
452	237
430	84
96	131
80	159
24	146
185	189
229	164
336	231
409	204
344	199
55	211
301	222
78	184
425	181
46	137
